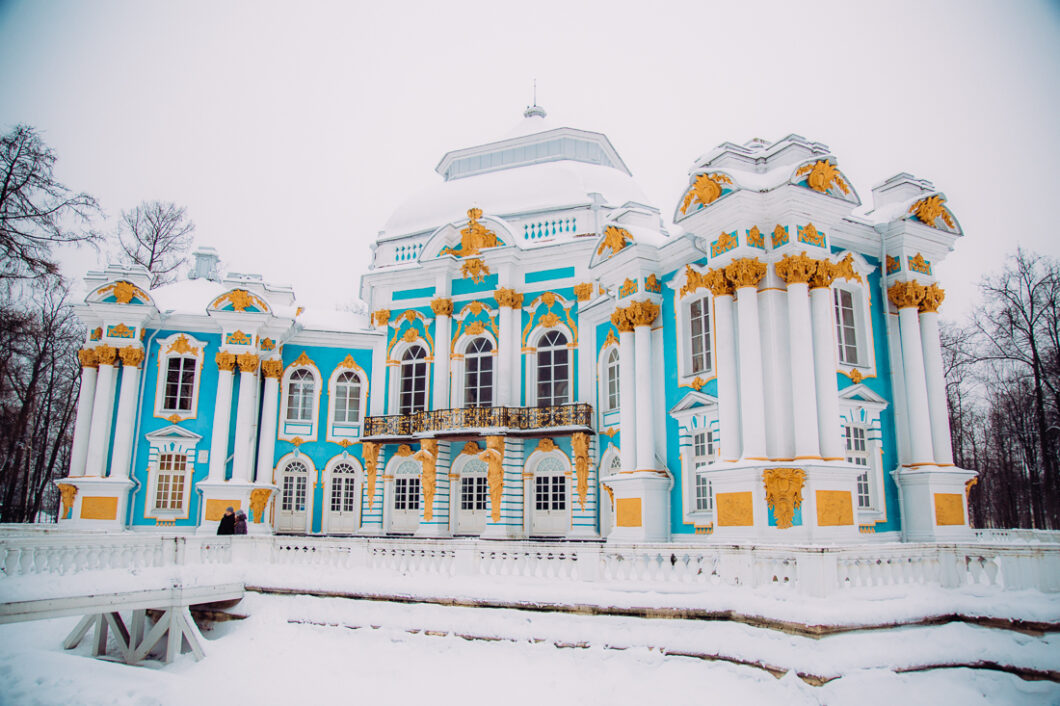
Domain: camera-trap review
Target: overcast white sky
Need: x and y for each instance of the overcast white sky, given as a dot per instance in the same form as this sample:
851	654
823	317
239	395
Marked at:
292	130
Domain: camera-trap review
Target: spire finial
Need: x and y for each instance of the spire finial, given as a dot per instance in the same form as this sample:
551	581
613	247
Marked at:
534	109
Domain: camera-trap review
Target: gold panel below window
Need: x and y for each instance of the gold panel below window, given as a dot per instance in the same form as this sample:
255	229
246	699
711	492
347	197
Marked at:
735	509
215	509
99	509
949	509
627	512
835	508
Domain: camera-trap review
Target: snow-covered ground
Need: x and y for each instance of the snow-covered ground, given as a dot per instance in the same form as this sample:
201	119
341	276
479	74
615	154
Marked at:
365	653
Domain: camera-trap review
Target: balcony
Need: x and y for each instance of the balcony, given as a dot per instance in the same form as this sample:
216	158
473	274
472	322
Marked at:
472	420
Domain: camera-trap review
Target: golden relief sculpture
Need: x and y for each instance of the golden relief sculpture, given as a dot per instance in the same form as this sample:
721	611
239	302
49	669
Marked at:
745	272
238	338
174	418
610	494
835	508
471	447
611	339
410	335
494	458
131	356
583	291
615	238
67	493
120	331
381	317
718	284
473	237
106	354
628	287
810	235
546	445
706	189
428	456
906	294
893	265
87	358
475	328
823	176
549	320
97	333
370	451
845	269
259	498
476	308
476	269
784	493
969	484
549	298
780	236
919	265
267	344
349	362
755	238
403	450
735	509
124	292
240	299
642	313
225	360
933	296
248	362
182	347
824	274
580	443
698	384
621	321
724	243
929	210
409	315
652	284
856	376
796	269
442	307
271	369
508	298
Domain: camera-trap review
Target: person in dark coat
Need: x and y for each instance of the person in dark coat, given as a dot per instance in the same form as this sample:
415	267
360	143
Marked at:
228	523
241	522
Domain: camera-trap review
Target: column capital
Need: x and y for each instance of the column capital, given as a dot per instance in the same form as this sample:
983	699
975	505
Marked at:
442	306
508	298
381	317
718	284
583	291
248	362
796	269
620	318
642	313
272	368
131	356
225	360
906	294
825	273
745	272
933	296
106	355
88	358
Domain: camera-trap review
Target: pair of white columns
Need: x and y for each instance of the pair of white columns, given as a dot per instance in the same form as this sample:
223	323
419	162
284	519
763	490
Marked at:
246	413
95	404
636	411
925	383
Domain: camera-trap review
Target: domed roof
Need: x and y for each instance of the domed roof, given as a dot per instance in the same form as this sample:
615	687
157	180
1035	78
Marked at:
535	167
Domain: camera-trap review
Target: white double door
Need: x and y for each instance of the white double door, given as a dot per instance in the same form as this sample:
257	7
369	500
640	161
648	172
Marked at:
550	505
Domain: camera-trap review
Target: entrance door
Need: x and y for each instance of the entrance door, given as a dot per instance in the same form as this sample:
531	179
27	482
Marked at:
551	515
342	505
474	498
291	514
405	518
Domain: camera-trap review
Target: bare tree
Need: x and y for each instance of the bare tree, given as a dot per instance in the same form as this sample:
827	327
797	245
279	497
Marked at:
36	211
157	235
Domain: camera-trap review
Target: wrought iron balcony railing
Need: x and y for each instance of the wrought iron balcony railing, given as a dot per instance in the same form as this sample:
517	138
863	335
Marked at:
455	421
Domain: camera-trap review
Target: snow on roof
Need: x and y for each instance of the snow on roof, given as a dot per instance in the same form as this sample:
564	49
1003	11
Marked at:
332	320
526	189
188	296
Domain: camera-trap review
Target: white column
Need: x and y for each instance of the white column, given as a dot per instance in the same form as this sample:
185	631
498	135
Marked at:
936	387
242	452
506	362
728	390
627	390
907	297
824	372
102	407
745	275
79	449
802	372
515	351
222	416
776	370
443	309
642	314
131	357
272	370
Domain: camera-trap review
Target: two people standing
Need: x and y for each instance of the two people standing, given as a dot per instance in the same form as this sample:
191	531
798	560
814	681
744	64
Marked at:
233	522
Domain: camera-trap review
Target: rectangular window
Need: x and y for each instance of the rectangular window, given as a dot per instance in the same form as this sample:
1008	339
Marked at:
703	447
473	493
857	453
407	494
699	329
180	384
550	493
845	327
704	499
169	489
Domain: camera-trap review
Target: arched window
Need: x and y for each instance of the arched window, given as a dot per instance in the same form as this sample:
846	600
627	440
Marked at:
413	393
343	488
478	373
293	492
553	370
300	395
347	399
611	373
180	364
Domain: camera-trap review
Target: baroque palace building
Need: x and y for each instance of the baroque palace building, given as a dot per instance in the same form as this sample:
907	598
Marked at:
543	359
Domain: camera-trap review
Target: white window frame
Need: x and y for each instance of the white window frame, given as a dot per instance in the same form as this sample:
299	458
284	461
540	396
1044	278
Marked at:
531	359
685	372
195	352
697	414
346	431
329	478
310	484
394	367
861	299
288	430
169	440
458	369
534	471
860	407
609	413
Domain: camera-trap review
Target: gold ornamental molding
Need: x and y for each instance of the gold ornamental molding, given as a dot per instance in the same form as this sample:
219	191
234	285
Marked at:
796	269
780	236
823	176
824	274
428	456
583	291
642	313
620	318
906	295
470	447
475	269
241	300
381	317
181	346
370	451
442	306
784	493
272	369
615	239
349	363
87	357
745	272
933	296
67	493
225	361
546	445
259	498
403	450
131	356
106	355
124	292
706	189
508	298
473	237
929	210
580	443
494	458
248	362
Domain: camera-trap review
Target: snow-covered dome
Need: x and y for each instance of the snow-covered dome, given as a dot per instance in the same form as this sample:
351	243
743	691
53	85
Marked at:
535	168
